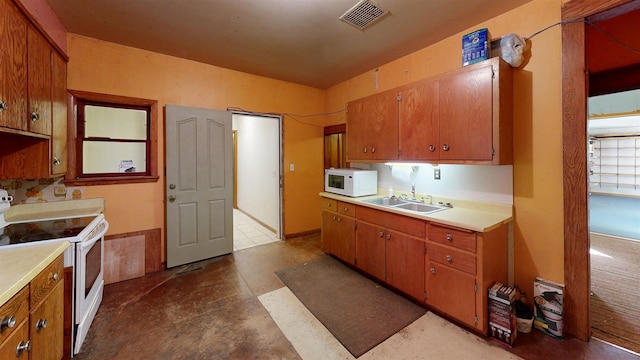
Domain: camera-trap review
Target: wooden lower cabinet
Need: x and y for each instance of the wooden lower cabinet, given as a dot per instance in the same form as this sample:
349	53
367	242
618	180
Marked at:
338	236
46	326
38	309
460	266
447	268
18	338
404	259
339	230
452	292
370	249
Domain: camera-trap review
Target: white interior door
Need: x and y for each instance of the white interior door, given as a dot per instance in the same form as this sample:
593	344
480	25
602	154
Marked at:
199	184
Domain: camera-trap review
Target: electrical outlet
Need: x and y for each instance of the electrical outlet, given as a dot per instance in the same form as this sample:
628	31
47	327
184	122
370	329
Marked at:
292	167
436	174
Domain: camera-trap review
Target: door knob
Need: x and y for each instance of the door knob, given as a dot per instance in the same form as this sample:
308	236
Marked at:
172	198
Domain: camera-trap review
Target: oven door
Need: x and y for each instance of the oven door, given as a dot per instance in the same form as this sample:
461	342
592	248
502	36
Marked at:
89	270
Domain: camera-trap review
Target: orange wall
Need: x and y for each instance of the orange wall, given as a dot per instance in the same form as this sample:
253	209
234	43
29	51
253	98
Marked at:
538	209
104	67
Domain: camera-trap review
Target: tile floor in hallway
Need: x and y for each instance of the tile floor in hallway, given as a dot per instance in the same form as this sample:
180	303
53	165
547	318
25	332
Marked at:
248	232
235	307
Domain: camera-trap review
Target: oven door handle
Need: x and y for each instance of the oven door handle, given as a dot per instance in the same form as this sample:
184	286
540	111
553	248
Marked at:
91	241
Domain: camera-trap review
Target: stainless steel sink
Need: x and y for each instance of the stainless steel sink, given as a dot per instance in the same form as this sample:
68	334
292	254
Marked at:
418	207
385	201
403	204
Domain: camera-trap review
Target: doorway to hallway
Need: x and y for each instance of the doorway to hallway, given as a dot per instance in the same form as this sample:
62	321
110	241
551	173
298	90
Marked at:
258	169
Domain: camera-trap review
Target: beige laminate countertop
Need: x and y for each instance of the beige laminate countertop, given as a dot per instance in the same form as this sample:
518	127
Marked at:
54	210
480	217
19	265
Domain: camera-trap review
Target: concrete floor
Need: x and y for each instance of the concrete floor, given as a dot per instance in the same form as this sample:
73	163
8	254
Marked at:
231	307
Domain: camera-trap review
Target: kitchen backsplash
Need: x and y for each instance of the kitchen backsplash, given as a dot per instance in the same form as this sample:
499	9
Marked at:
482	183
42	190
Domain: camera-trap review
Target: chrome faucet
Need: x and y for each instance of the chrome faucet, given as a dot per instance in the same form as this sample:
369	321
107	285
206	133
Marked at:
413	191
430	199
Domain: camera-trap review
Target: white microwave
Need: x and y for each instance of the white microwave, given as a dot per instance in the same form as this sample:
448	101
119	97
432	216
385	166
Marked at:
351	182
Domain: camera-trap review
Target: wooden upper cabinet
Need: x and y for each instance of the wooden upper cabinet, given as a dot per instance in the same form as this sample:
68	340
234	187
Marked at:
466	115
13	67
476	114
461	117
39	82
59	116
372	128
418	121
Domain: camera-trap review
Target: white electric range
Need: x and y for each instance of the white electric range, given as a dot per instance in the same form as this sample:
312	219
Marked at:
82	223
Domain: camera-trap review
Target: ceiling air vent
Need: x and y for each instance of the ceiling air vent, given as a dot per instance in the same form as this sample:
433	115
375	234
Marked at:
363	14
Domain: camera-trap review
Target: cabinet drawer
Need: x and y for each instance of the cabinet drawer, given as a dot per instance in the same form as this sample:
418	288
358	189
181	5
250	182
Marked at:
392	221
17	308
329	204
452	257
461	239
346	209
46	280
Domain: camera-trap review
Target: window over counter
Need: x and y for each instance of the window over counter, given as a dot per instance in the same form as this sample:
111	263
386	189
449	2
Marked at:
115	139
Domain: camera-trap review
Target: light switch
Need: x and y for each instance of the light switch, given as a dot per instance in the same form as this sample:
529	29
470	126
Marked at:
291	167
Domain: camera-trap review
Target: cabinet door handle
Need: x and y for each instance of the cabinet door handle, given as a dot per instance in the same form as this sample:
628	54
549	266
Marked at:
364	150
432	148
55	277
3	106
449	237
373	149
433	270
388	236
7	322
381	234
346	209
339	219
445	147
35	116
334	218
41	324
448	258
23	346
56	161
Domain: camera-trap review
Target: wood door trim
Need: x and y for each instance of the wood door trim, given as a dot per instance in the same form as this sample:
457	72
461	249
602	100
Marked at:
574	115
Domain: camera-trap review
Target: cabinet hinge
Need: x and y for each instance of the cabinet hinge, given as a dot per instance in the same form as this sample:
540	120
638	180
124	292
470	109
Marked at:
399	97
493	73
355	226
493	151
425	295
355	261
475	319
425	249
475	287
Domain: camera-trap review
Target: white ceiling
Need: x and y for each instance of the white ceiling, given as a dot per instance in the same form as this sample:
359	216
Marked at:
302	41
